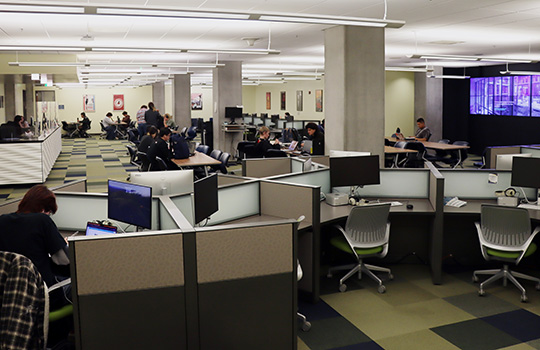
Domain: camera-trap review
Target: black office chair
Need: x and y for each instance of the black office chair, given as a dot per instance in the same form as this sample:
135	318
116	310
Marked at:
158	165
145	162
415	159
274	153
203	149
132	151
439	155
454	159
215	154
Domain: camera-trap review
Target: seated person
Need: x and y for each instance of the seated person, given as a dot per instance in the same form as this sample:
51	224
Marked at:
423	133
148	139
110	126
84	124
161	149
31	232
263	144
169	121
317	137
13	128
126	118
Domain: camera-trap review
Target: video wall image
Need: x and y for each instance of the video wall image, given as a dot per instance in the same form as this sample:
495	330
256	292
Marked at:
508	95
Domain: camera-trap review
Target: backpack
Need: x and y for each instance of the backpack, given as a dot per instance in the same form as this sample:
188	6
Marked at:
179	146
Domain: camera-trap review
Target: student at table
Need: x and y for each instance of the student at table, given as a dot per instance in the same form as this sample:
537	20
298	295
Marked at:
110	126
317	137
263	143
148	139
161	149
423	133
84	124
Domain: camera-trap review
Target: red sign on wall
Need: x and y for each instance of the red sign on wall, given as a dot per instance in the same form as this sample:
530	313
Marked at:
118	102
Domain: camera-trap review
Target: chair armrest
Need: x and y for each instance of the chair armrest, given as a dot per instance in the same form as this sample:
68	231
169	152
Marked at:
60	284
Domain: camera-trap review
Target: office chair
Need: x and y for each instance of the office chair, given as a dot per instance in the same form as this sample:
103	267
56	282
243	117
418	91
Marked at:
505	235
203	149
103	131
245	149
415	160
274	153
215	154
454	160
158	165
306	325
145	162
132	151
366	235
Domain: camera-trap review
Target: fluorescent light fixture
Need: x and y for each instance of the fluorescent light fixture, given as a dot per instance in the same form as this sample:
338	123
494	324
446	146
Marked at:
40	48
60	9
449	76
301	78
518	72
308	74
34	76
470	58
503	60
236	51
149	12
406	69
312	20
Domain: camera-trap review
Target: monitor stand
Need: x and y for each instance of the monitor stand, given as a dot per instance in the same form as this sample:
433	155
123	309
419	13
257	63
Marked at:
532	206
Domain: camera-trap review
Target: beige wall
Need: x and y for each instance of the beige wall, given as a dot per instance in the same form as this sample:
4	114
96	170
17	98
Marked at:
72	100
2	110
399	103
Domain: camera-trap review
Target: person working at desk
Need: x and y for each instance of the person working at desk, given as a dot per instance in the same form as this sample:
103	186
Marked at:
263	144
169	121
161	149
31	232
84	124
423	133
317	138
110	126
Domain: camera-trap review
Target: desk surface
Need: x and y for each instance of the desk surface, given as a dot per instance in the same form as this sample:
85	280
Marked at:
473	207
198	159
434	145
394	150
264	218
330	213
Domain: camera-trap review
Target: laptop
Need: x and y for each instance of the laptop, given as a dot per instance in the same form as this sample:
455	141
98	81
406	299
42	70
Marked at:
308	145
93	229
293	145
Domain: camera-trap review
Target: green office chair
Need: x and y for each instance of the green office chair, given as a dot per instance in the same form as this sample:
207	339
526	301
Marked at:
365	235
505	235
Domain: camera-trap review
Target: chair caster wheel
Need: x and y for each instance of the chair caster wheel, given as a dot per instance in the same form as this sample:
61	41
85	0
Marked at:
481	293
381	289
474	279
306	326
342	288
524	298
390	277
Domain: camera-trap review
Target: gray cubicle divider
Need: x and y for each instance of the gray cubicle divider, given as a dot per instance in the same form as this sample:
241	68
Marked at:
436	198
320	177
287	200
534	150
492	152
76	209
129	291
224	179
265	167
471	184
411	183
247	286
73	186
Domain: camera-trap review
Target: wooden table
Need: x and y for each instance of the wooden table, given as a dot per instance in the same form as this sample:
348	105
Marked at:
438	146
198	159
396	152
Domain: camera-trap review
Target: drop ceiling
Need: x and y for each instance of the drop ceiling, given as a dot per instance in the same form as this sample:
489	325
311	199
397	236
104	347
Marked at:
491	28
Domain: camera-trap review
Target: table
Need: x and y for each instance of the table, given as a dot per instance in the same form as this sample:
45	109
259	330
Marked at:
440	147
198	159
396	152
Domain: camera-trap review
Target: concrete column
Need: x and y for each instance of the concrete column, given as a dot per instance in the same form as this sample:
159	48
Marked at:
181	92
354	89
9	96
158	96
428	102
226	92
29	103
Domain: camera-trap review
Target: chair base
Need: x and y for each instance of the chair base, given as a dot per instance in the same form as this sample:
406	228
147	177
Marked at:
306	325
361	268
506	274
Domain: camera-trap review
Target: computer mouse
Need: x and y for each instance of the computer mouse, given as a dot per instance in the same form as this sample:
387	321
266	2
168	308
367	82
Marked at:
410	206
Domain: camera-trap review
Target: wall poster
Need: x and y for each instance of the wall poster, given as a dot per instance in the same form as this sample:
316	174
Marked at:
268	100
118	102
196	101
283	100
89	103
318	101
299	100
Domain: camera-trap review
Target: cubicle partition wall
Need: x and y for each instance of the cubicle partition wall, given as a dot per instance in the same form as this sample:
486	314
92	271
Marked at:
265	167
73	186
246	278
436	198
534	150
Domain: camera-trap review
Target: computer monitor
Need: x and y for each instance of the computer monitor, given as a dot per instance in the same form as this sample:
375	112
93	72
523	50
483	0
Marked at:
274	118
526	173
504	161
165	182
263	115
205	196
289	118
130	203
232	113
354	171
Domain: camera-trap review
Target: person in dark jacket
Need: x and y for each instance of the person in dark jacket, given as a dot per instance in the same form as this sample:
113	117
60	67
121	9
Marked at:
161	149
317	137
263	144
153	117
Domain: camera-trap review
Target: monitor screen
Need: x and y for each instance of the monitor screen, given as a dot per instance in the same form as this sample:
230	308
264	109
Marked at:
263	115
274	118
526	172
130	203
289	118
205	197
233	112
165	182
354	171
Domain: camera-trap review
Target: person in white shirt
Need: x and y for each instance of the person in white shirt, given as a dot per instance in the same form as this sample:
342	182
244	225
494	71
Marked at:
110	126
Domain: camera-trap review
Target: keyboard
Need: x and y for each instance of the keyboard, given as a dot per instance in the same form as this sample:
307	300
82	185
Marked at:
393	203
529	206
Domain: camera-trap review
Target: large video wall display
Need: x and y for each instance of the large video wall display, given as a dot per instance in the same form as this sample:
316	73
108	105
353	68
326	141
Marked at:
508	95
